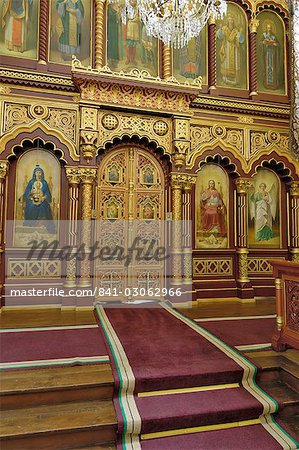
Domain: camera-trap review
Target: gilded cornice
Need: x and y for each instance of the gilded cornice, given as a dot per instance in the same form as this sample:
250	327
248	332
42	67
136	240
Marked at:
135	90
242	107
36	79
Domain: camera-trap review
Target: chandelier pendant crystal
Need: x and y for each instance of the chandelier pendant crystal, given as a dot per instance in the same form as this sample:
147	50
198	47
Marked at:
175	22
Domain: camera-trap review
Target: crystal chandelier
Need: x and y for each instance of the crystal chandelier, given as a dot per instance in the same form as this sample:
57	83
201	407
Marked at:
175	22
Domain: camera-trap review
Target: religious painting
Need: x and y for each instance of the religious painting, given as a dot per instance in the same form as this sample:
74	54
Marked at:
70	25
113	174
264	211
112	209
271	53
148	176
212	201
128	44
231	58
19	28
190	62
37	197
148	212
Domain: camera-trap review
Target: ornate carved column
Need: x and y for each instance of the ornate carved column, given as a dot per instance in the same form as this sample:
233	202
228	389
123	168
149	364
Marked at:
176	195
87	177
167	61
253	25
100	38
242	185
3	172
294	221
73	177
188	184
181	140
212	53
43	32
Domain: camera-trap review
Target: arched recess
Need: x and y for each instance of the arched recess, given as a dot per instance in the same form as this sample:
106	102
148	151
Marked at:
286	168
144	142
286	173
35	206
224	196
225	157
12	143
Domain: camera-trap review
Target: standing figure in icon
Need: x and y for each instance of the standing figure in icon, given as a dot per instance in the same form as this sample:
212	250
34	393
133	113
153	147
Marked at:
37	199
213	211
231	39
270	53
15	23
71	13
263	211
132	33
190	57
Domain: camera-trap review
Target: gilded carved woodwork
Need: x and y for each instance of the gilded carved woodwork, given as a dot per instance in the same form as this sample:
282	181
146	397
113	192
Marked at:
260	265
212	266
3	170
181	140
214	135
243	184
265	141
119	124
64	120
292	304
242	265
104	86
294	220
34	269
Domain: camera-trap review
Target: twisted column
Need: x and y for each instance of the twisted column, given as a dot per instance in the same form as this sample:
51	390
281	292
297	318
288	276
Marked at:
87	177
43	32
99	33
167	61
187	229
294	221
242	185
73	177
212	53
253	57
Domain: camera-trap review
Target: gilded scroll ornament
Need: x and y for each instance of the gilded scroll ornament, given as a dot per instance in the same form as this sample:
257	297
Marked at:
88	143
243	184
264	140
64	120
3	169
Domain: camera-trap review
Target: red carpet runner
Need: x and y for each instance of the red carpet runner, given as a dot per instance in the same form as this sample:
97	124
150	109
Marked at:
51	347
177	386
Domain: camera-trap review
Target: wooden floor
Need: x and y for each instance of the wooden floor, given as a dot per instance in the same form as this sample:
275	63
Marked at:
30	317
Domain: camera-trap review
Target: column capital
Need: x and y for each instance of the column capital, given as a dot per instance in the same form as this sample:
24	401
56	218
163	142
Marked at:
73	175
87	174
183	180
243	184
253	25
294	189
212	20
3	169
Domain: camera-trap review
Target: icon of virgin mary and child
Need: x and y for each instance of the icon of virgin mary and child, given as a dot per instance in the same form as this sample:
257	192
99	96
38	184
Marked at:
37	198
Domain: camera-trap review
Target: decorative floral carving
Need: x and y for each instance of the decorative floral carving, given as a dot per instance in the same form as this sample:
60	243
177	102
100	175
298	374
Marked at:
264	140
63	121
